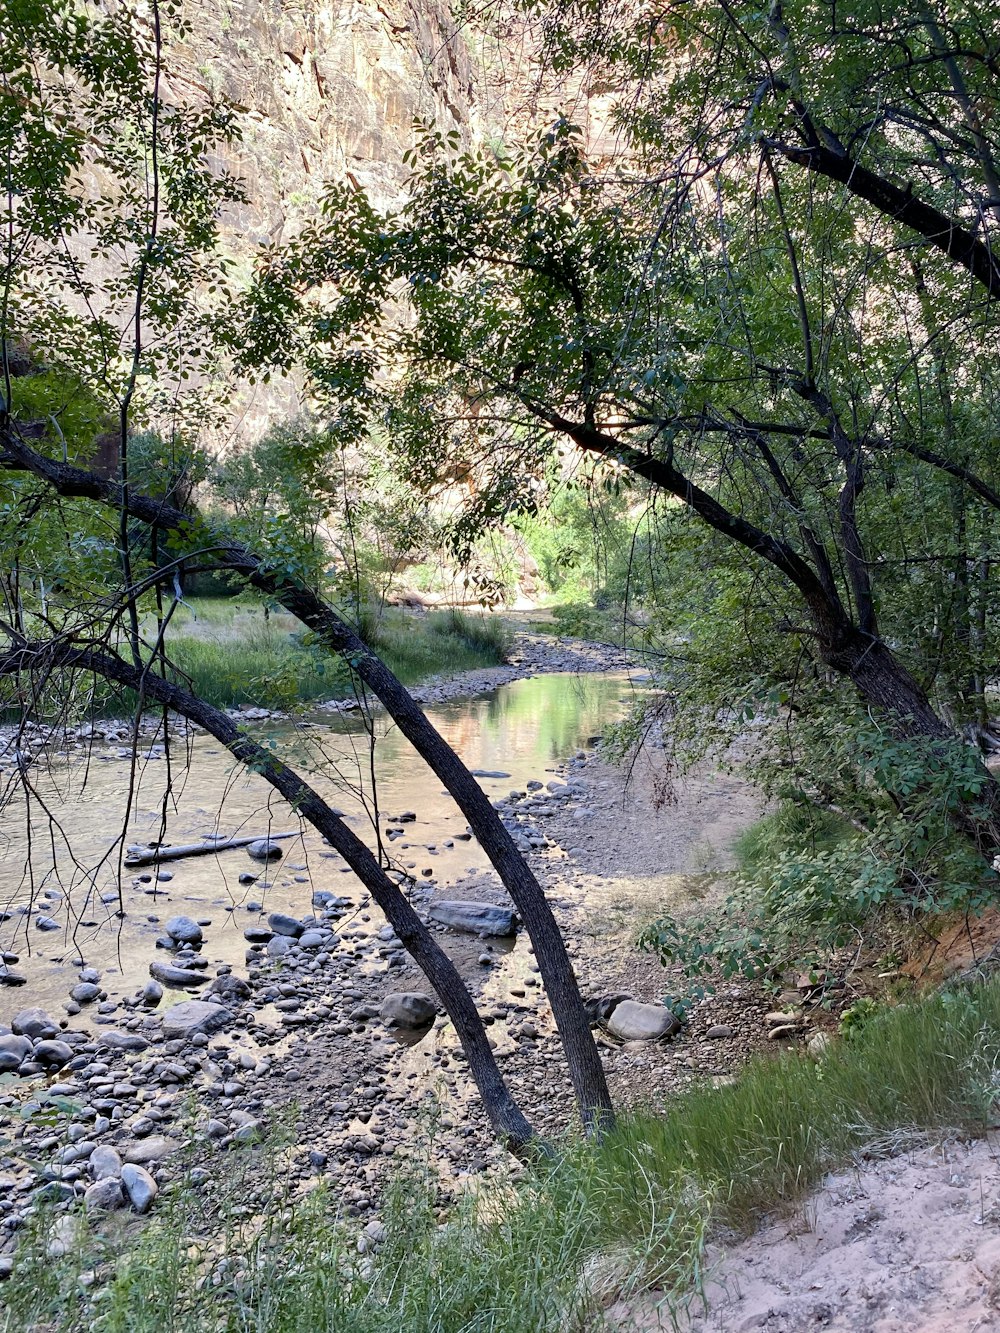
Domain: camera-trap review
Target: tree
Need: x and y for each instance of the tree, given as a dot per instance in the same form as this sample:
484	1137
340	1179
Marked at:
777	307
82	98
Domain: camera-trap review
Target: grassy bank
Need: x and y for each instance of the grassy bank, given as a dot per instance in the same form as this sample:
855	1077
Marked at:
231	652
548	1247
235	654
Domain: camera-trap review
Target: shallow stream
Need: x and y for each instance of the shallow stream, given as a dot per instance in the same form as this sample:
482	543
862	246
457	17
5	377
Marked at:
59	854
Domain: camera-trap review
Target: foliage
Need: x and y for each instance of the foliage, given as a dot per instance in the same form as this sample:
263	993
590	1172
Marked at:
544	1249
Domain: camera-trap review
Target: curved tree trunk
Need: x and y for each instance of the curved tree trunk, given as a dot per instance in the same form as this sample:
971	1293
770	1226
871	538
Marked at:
584	1062
505	1115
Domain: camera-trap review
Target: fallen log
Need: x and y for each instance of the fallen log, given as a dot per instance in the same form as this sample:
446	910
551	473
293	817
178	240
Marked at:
147	856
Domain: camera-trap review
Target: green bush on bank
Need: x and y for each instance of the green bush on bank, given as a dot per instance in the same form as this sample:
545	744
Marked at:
547	1247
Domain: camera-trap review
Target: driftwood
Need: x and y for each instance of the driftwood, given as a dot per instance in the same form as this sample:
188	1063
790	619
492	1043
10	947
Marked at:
147	856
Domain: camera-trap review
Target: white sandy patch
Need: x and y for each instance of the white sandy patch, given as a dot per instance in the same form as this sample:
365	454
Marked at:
910	1244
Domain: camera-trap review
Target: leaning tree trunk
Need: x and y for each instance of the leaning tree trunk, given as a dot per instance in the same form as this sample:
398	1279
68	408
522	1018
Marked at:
506	1117
583	1061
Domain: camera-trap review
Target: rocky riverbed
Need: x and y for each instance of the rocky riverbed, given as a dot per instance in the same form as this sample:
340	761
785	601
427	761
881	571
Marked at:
326	1026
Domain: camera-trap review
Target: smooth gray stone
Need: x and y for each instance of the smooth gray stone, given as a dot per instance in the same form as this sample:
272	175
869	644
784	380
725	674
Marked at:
172	975
282	924
140	1187
113	1040
408	1009
53	1054
476	918
190	1016
105	1164
36	1024
184	930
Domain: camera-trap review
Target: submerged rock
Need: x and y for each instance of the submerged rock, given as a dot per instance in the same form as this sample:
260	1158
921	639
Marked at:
477	918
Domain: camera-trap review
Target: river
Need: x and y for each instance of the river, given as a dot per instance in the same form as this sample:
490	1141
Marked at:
59	856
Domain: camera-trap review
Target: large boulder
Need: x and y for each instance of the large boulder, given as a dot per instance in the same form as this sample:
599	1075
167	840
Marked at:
36	1024
53	1054
184	930
632	1021
408	1009
476	918
191	1016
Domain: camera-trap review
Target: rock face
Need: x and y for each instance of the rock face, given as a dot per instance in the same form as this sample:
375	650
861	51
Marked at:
191	1016
632	1021
408	1009
477	918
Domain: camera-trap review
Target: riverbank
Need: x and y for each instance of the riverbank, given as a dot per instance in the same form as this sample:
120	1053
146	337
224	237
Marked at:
296	1034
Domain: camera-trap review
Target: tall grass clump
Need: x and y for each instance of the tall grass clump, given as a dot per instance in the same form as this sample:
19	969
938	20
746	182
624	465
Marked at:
543	1248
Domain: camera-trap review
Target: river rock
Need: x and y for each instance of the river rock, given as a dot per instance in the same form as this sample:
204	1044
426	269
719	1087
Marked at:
600	1007
184	930
230	987
282	924
152	993
190	1016
85	993
142	1151
140	1187
264	850
36	1024
632	1021
408	1009
477	918
13	1050
53	1054
115	1040
8	978
104	1163
172	975
279	945
104	1196
47	923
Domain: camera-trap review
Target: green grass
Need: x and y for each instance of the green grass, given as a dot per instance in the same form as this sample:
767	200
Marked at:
545	1248
792	827
244	658
230	653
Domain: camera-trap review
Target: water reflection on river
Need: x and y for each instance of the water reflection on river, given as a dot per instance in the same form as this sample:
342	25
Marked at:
64	859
